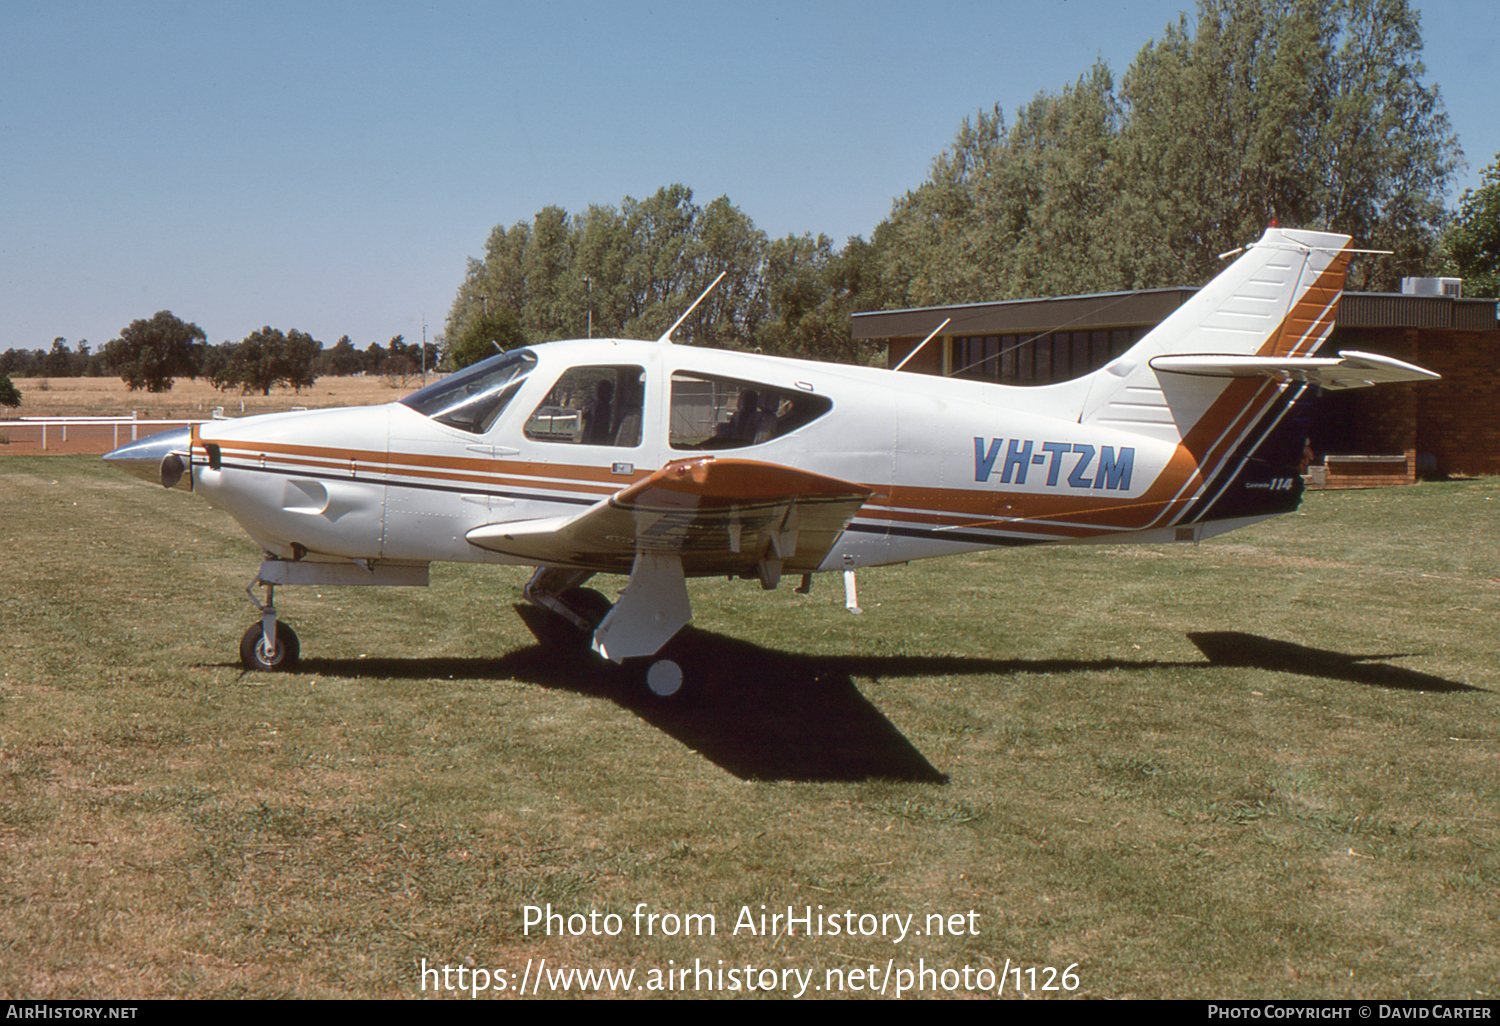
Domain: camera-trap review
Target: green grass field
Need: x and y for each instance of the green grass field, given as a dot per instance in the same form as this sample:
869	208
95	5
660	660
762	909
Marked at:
1268	765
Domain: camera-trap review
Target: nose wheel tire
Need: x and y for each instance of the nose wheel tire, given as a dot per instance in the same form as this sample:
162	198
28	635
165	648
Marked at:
254	654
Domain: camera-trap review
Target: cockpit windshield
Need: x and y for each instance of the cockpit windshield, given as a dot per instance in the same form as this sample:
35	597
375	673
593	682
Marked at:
471	399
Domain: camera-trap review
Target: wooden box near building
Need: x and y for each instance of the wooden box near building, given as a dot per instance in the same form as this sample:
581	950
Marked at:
1367	471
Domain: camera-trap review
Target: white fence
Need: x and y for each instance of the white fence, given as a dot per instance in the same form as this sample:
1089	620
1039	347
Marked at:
81	434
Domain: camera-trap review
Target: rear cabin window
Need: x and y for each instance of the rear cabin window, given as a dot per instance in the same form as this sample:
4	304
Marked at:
711	412
592	406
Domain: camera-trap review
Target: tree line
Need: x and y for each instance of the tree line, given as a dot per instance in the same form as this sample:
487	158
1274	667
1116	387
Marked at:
1302	113
150	354
630	271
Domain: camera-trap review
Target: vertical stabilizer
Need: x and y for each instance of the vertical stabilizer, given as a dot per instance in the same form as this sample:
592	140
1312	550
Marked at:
1278	299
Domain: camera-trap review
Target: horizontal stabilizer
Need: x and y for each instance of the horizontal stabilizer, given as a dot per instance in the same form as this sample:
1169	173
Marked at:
1349	370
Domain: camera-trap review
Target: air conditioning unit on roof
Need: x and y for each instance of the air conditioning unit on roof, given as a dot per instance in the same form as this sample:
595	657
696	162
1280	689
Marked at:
1450	287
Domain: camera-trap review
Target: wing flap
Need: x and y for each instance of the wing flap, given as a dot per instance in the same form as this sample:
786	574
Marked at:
718	515
1349	370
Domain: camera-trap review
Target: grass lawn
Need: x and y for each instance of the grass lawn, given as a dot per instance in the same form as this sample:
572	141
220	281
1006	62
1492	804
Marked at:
1268	765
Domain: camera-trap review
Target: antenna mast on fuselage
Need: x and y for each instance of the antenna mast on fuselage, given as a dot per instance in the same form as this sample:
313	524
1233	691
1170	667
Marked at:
667	335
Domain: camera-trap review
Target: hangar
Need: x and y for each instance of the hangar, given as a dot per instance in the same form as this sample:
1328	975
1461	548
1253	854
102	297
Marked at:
1448	427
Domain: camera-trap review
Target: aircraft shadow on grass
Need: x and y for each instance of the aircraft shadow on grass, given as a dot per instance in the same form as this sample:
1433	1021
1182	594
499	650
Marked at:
763	714
1235	648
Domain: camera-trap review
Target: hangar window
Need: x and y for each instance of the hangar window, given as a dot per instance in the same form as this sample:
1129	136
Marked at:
592	406
1038	359
711	412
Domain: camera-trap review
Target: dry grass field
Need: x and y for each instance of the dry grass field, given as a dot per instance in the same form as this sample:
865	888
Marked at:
1264	766
189	399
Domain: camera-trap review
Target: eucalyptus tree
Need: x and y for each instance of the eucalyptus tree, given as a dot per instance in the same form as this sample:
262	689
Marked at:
628	271
811	291
485	335
1309	114
151	354
267	357
725	241
1473	240
1304	113
1011	209
658	270
546	269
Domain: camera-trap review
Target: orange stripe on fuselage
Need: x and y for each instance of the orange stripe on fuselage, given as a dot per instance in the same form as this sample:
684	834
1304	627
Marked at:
595	481
1197	459
1073	515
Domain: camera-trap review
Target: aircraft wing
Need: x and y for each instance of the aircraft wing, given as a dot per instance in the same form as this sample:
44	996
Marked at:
1349	370
728	516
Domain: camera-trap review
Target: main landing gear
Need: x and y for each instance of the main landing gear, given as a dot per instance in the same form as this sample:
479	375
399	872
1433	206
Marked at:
631	632
575	619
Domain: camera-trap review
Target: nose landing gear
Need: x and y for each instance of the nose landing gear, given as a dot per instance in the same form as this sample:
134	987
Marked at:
272	645
269	645
280	656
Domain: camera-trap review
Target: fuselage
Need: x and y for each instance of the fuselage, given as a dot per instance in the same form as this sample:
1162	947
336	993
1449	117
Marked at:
954	465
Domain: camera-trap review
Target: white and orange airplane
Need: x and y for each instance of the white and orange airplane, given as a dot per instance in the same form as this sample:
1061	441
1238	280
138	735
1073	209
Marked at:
664	462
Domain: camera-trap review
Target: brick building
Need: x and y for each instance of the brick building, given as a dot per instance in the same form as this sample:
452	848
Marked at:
1453	425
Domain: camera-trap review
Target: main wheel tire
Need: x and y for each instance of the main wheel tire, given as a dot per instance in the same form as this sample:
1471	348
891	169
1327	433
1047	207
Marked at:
561	632
588	603
664	678
253	654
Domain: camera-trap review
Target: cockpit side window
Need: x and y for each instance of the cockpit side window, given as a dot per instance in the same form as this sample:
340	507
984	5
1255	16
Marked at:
710	412
474	398
592	406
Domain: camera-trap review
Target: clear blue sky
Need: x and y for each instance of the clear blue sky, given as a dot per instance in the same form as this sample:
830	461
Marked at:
330	166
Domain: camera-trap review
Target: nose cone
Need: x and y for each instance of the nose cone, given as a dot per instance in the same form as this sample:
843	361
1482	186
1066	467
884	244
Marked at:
159	458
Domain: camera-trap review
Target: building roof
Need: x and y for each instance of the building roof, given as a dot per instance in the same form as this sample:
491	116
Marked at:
1398	310
1152	306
